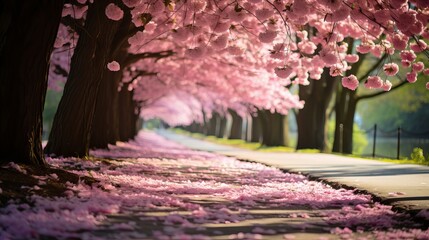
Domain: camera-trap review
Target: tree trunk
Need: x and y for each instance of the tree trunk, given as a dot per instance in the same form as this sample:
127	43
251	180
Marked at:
256	129
311	119
221	126
28	30
236	127
272	128
211	124
71	130
345	109
105	129
128	116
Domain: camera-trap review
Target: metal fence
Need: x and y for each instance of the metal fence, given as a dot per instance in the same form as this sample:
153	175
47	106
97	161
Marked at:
394	143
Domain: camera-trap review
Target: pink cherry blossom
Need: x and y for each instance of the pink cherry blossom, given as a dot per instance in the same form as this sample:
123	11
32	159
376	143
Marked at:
373	82
264	13
390	69
412	77
283	72
387	85
114	12
408	55
307	47
365	47
405	63
267	36
418	67
131	3
352	58
350	82
113	66
418	46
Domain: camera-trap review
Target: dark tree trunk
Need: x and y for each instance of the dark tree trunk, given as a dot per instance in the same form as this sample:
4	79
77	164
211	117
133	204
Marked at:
211	124
236	126
272	128
220	126
345	109
311	119
256	130
105	129
128	115
28	30
71	130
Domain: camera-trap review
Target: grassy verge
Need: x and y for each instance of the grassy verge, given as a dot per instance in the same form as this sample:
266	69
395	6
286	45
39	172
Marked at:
258	147
241	143
234	142
390	160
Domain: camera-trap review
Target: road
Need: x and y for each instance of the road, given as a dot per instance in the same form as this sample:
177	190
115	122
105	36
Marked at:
404	186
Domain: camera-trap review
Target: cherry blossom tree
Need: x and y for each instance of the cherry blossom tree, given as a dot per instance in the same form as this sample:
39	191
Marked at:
237	55
27	35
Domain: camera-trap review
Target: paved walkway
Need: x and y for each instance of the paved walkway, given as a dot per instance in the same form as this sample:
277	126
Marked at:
405	186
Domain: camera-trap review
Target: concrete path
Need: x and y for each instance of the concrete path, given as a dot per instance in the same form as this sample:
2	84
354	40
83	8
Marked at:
405	186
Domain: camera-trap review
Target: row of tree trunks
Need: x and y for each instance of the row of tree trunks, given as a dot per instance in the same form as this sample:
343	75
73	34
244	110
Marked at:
267	128
25	24
71	130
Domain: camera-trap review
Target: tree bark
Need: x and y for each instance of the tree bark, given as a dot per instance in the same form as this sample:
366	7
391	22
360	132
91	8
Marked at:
272	128
105	129
256	129
128	115
211	124
311	119
236	127
345	109
71	131
220	126
27	34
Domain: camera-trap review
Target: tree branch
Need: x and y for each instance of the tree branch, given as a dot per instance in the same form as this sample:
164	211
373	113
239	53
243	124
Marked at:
375	66
75	24
132	58
381	92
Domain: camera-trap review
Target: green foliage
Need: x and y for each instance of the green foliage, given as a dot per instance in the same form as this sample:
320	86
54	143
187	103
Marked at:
153	124
51	103
417	155
359	140
407	107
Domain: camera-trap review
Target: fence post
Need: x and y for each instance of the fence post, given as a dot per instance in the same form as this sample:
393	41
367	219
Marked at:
341	137
374	140
398	153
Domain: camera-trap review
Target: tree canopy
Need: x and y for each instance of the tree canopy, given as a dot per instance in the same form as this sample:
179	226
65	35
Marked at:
241	55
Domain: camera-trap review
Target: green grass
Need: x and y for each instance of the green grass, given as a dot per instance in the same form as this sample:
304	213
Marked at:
389	160
258	147
235	142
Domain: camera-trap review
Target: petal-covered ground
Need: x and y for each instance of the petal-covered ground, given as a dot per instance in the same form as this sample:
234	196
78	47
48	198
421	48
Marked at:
151	188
